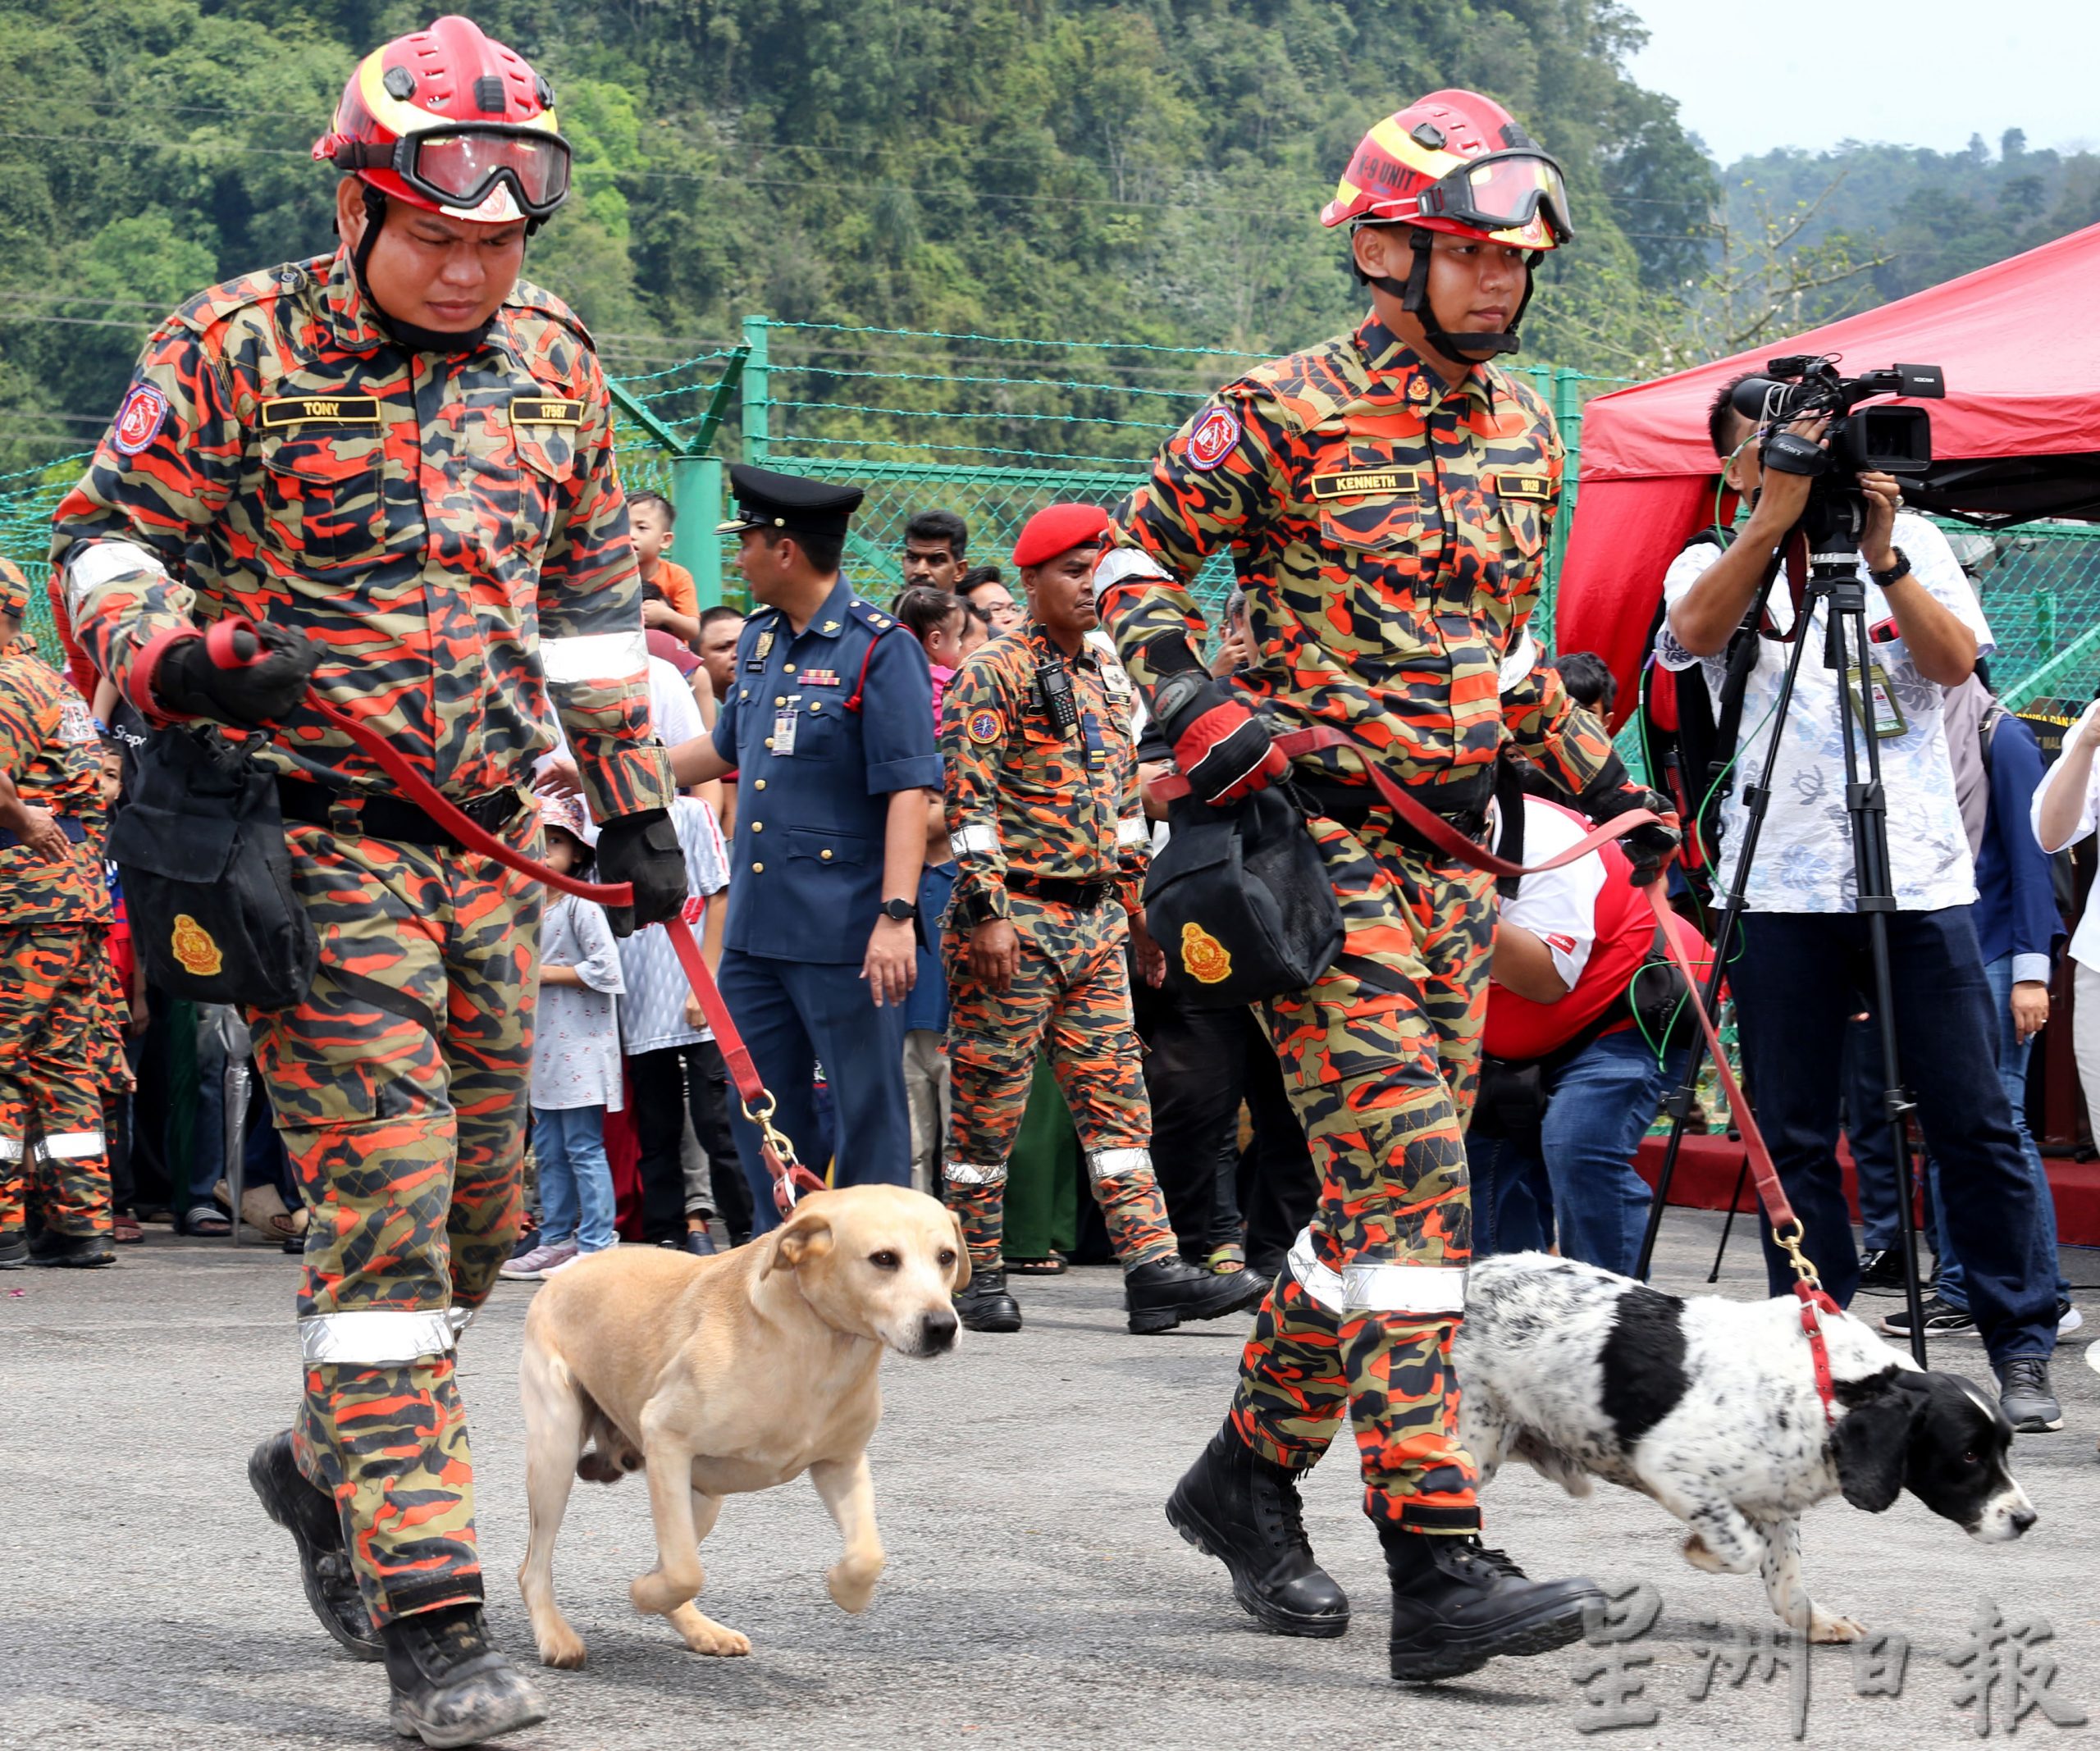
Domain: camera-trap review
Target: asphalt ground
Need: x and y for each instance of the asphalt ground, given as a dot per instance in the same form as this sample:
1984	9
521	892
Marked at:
1034	1595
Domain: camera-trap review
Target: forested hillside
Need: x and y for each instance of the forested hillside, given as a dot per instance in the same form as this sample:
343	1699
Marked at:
1146	170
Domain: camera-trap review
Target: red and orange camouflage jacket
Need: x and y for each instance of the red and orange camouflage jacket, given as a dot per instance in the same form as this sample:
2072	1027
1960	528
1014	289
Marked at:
1390	536
49	749
449	527
1023	796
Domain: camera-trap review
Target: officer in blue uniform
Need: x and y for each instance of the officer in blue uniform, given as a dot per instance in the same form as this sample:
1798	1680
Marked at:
830	730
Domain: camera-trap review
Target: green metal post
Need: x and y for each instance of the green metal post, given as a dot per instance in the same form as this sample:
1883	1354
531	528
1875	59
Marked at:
697	496
1568	416
758	406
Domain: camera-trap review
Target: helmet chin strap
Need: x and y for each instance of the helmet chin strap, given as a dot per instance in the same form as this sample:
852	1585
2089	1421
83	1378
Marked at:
1413	294
405	334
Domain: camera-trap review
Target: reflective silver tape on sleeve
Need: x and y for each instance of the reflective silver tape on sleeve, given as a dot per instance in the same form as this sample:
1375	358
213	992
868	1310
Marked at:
10	1150
100	562
974	1174
1387	1288
378	1338
1125	561
1517	666
1323	1285
1114	1164
976	840
595	656
1133	829
71	1146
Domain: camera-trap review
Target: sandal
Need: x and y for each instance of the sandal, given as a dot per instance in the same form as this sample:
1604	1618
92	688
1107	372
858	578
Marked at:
124	1230
207	1222
263	1210
1227	1261
1055	1265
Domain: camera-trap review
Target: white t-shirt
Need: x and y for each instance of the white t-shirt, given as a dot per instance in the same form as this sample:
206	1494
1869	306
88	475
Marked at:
652	1008
1557	906
674	713
2085	940
1805	854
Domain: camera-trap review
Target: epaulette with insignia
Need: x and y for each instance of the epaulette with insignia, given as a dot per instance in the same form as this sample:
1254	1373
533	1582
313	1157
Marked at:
872	617
214	305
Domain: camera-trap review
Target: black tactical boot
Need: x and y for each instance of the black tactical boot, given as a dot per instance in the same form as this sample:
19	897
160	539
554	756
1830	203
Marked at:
1236	1505
985	1305
450	1687
306	1512
14	1250
1456	1606
80	1252
1162	1292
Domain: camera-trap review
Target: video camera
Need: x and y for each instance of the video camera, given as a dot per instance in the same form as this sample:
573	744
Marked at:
1887	440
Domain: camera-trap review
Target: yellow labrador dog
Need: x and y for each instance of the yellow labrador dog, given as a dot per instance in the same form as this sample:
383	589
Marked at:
726	1375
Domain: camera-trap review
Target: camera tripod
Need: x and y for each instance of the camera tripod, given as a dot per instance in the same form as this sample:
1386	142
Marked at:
1830	526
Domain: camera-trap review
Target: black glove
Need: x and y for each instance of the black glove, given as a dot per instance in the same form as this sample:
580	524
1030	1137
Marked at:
265	679
1220	746
1649	848
643	848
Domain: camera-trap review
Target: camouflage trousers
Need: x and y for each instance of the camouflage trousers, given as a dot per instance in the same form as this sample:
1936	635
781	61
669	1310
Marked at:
59	1031
1070	997
1380	1058
399	1085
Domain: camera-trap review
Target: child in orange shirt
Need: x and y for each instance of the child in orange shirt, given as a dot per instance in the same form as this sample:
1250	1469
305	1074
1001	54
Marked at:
668	599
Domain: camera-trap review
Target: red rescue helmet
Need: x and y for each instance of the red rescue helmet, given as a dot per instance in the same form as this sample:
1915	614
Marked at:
448	120
1458	162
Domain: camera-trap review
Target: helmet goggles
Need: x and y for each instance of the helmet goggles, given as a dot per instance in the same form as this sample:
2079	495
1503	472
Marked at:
1504	191
460	167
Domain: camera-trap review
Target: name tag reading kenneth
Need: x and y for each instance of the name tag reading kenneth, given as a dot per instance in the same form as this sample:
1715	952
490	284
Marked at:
545	410
319	410
1361	483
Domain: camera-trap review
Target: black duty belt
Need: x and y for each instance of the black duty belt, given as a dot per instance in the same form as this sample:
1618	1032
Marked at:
389	817
1464	804
70	825
1086	896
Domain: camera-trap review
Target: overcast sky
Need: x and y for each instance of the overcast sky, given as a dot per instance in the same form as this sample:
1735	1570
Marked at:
1920	73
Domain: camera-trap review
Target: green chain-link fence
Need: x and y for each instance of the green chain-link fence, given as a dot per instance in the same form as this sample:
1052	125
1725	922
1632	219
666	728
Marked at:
994	427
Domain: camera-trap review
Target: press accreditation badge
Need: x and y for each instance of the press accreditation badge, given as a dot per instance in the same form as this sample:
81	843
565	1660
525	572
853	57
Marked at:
1888	715
784	727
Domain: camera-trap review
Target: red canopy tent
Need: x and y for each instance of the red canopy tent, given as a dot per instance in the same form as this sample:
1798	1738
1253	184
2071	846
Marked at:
2018	435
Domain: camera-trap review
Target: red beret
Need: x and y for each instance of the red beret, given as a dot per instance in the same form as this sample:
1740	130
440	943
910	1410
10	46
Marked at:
1058	528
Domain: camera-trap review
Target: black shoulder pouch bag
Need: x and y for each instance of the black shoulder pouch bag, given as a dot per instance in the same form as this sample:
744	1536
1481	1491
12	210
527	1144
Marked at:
208	878
1240	902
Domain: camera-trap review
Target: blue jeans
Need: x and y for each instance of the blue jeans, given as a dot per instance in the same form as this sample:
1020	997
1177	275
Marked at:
576	1180
1599	1105
2012	1071
1796	985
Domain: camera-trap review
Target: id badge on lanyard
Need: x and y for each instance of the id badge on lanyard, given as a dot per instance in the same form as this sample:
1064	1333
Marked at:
783	726
1887	718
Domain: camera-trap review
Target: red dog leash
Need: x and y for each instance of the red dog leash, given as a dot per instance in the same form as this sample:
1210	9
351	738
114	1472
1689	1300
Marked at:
791	1179
1787	1230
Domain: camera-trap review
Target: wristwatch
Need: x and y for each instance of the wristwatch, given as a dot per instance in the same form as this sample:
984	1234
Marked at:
1882	580
903	911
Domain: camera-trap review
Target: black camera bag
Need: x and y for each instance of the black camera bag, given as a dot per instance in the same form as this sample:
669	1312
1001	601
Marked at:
208	878
1240	902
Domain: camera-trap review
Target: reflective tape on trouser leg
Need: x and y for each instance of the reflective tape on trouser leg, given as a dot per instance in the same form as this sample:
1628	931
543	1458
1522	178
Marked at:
1115	1163
71	1146
975	1172
10	1149
1378	1286
375	1338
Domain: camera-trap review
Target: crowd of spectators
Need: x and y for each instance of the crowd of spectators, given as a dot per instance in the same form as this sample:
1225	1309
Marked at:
631	1140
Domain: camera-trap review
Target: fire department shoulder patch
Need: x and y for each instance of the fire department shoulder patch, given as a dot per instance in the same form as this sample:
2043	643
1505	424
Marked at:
1203	957
139	420
194	949
1212	440
984	726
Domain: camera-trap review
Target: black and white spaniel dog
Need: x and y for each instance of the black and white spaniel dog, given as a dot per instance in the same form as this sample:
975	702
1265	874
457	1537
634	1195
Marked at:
1709	1407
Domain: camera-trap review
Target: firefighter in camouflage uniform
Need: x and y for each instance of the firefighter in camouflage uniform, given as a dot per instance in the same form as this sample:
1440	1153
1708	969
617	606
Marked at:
1045	818
397	461
1386	498
60	1032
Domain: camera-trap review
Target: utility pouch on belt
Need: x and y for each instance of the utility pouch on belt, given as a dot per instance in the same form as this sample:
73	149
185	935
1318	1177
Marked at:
208	880
1511	1100
1240	903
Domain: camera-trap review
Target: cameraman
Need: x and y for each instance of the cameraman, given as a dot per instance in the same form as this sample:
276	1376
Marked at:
1805	955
